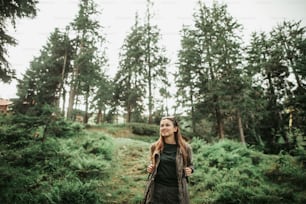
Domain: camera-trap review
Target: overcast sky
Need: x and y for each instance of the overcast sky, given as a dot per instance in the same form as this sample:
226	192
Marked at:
117	17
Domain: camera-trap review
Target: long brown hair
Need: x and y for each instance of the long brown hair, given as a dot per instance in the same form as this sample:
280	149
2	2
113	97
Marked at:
159	144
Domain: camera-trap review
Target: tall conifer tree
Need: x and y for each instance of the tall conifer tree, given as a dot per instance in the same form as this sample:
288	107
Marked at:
89	58
155	60
43	81
130	85
215	63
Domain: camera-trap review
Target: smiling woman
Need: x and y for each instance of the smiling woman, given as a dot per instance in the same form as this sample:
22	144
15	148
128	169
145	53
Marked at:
171	165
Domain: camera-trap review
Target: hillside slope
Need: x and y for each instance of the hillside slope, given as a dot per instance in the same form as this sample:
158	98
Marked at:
226	172
130	158
107	165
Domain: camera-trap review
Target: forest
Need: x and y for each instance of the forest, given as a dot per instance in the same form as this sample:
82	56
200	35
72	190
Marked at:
241	106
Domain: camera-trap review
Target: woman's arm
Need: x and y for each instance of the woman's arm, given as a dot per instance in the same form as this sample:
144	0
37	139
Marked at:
151	166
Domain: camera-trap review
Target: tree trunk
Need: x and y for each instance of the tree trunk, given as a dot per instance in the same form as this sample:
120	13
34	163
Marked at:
220	123
99	116
150	98
274	110
129	113
72	94
86	107
149	67
240	127
64	102
192	112
61	87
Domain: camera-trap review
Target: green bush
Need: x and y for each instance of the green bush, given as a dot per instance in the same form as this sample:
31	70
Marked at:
14	136
15	133
144	129
229	172
73	191
285	168
64	128
89	157
62	169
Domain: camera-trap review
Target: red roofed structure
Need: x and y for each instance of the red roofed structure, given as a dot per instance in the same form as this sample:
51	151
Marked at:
4	104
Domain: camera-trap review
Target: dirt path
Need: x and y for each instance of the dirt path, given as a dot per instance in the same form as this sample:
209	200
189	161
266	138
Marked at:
128	176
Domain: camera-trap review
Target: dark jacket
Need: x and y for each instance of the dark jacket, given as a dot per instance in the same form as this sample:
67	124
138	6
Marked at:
182	179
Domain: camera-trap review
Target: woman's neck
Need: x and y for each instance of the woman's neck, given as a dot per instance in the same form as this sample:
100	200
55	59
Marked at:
170	140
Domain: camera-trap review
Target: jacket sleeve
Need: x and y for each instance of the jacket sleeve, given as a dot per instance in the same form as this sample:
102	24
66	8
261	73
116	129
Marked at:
189	158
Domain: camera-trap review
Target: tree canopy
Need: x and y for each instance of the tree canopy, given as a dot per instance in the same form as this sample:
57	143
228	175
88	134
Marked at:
10	11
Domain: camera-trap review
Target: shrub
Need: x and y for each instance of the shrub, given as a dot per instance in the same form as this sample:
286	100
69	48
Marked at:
64	128
73	191
144	129
54	170
229	172
89	156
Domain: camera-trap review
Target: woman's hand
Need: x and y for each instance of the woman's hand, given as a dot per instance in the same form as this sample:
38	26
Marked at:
150	168
188	171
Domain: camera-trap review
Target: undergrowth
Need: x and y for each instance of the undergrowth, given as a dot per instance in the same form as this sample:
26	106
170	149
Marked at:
107	164
229	172
58	169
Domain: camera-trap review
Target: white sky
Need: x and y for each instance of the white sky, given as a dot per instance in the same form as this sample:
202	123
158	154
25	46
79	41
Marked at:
118	16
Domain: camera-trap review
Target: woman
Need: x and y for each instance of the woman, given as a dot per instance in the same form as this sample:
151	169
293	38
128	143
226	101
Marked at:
171	164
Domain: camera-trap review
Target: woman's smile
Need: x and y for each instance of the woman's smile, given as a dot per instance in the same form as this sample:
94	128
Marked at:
167	128
165	132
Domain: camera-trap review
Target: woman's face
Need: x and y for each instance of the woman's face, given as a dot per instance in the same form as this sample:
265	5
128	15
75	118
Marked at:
167	128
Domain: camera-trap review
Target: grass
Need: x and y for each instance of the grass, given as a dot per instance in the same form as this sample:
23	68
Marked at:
107	164
226	172
127	181
131	155
122	131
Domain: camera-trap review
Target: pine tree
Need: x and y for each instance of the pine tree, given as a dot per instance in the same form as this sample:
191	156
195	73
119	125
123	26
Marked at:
155	60
43	81
89	58
10	10
211	58
290	37
187	77
130	87
274	57
103	96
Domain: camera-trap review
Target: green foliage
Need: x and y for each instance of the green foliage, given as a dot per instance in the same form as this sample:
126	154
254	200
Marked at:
125	131
130	83
142	68
88	156
91	167
10	10
144	129
155	59
64	128
273	59
232	91
283	169
17	131
89	58
43	81
209	75
73	191
229	172
65	169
